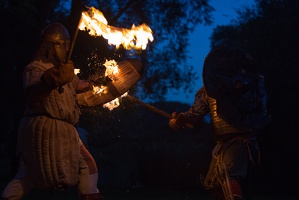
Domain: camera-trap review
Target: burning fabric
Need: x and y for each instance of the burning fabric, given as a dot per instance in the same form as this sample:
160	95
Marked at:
96	24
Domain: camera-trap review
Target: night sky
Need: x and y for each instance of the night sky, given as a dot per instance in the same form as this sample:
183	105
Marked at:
225	12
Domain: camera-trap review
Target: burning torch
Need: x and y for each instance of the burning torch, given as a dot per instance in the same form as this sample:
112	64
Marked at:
128	71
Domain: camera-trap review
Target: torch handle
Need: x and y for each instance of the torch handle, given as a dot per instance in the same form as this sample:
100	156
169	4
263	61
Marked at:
154	109
73	42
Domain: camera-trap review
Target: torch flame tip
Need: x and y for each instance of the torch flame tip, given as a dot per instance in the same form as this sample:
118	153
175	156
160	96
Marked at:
136	37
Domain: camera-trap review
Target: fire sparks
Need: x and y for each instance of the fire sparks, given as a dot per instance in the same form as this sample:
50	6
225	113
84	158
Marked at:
111	70
96	24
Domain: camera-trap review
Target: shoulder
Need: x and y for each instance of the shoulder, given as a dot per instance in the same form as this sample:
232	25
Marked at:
38	65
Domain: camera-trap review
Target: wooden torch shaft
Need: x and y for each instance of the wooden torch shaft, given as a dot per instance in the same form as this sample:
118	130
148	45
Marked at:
152	108
156	110
73	42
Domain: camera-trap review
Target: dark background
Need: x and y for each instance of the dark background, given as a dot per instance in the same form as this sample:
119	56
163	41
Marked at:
138	156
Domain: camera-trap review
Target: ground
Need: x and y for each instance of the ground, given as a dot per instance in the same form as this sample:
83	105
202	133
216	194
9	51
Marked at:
112	193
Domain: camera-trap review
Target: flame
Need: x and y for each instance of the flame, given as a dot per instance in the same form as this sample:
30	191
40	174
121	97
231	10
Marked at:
76	71
111	70
96	24
99	90
114	103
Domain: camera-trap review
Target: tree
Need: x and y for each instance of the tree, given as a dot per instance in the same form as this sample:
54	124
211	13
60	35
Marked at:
165	59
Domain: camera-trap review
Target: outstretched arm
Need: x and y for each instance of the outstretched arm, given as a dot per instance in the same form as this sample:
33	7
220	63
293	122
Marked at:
194	115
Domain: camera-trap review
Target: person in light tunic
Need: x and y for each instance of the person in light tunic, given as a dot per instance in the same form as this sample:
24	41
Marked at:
51	153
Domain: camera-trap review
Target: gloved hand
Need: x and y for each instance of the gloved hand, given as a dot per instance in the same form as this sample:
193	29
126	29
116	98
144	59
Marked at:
177	122
83	86
67	72
59	76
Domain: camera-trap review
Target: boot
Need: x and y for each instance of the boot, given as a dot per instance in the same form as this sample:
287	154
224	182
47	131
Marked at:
96	196
236	190
237	197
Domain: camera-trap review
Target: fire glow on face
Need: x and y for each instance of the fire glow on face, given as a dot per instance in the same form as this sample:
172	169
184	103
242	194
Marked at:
95	23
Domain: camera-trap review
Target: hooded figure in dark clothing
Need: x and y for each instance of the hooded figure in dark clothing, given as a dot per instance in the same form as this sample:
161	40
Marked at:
234	96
